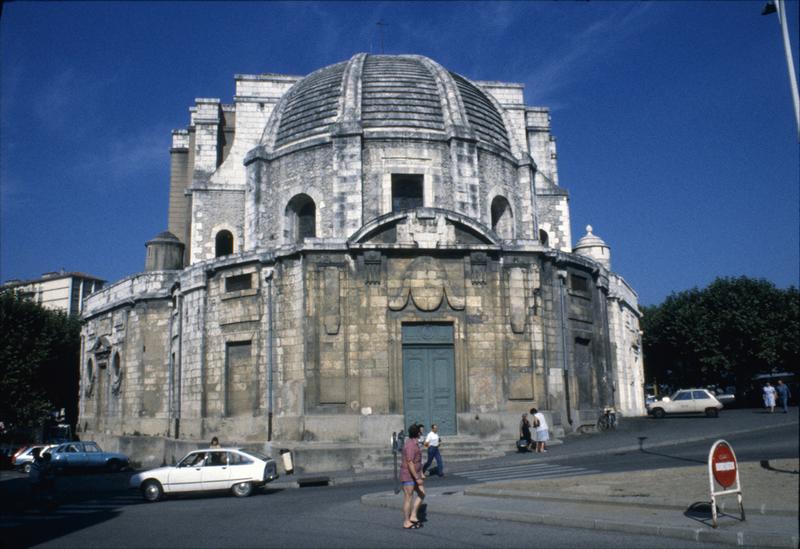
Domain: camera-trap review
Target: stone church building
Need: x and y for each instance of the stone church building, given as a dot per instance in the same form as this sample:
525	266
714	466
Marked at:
380	242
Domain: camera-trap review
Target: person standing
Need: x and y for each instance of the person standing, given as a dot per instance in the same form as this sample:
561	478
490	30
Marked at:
214	443
525	431
784	394
769	397
542	430
411	479
432	442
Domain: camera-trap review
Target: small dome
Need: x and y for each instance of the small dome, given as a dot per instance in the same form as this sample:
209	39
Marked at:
594	247
165	236
401	93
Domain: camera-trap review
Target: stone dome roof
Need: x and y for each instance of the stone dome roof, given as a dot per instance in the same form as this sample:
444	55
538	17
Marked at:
590	240
385	94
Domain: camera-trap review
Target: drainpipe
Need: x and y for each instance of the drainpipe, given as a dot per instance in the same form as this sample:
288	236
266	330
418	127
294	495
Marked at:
562	275
268	278
171	374
179	369
545	358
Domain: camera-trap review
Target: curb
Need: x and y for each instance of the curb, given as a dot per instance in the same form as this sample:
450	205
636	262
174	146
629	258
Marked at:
666	443
754	508
760	538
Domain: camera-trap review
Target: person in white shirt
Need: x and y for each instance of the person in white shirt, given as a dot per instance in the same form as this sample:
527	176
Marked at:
542	430
432	442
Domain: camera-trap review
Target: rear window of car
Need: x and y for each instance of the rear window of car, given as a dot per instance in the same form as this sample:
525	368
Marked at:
257	455
699	395
90	447
238	459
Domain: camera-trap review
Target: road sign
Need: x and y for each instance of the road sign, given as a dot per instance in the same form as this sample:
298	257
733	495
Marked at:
723	464
723	468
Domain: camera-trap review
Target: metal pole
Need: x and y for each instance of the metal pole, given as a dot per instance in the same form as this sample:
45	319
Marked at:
269	356
779	6
562	275
790	62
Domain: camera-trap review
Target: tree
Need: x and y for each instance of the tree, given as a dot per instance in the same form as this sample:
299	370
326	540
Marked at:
723	334
39	362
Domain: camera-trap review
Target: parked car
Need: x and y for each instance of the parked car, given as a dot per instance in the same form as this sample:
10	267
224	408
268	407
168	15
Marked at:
686	401
23	458
206	470
86	455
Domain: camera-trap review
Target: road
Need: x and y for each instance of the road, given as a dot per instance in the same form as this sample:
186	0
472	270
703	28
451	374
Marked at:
333	516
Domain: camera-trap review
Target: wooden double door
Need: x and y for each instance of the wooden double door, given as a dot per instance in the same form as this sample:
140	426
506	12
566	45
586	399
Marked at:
429	388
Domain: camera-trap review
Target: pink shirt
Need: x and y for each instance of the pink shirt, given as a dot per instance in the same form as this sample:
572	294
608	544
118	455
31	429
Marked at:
411	452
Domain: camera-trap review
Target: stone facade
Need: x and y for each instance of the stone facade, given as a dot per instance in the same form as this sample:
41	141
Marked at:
328	225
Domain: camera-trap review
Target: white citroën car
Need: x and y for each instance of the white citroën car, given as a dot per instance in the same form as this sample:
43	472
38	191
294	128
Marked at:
686	401
210	469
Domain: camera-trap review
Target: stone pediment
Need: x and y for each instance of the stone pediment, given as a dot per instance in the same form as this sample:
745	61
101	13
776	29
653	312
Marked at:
425	228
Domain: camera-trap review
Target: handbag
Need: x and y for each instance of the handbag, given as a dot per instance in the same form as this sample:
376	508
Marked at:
522	443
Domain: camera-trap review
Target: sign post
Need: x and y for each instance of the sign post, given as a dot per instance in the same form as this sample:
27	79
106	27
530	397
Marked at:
723	470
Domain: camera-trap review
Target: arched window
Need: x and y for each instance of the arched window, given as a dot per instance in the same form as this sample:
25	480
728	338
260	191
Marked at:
502	218
544	238
301	219
223	244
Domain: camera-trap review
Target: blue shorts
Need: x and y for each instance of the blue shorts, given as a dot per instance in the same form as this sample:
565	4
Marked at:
409	483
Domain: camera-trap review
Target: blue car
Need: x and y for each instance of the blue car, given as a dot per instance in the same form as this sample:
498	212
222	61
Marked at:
86	455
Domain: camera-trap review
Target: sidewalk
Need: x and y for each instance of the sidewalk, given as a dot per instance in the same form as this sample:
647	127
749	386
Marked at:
663	502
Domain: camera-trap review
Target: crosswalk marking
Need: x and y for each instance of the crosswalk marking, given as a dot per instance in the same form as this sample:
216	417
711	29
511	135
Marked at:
527	471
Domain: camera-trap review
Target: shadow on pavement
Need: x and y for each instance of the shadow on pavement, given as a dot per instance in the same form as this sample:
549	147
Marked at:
765	464
678	458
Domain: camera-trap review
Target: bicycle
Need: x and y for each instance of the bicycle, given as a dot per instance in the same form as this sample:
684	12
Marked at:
607	420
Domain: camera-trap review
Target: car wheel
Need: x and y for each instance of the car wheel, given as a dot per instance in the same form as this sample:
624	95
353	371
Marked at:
26	468
113	465
659	413
712	412
152	491
242	489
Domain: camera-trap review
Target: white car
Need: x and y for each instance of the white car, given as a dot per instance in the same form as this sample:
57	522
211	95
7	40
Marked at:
686	401
210	469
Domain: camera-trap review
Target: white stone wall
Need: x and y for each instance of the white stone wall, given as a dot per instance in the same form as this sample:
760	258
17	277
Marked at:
623	321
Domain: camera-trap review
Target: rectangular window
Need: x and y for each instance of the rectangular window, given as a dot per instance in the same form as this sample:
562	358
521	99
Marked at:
406	192
579	284
239	282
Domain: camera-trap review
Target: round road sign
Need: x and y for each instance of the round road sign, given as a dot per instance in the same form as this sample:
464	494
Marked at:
723	465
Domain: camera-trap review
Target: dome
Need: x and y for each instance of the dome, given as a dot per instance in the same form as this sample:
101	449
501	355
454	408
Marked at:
592	246
382	95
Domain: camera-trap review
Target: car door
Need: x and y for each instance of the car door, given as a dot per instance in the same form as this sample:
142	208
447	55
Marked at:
215	472
701	401
242	469
187	476
92	455
73	454
682	402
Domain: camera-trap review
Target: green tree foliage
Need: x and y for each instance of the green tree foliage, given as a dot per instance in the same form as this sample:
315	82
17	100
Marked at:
39	362
723	334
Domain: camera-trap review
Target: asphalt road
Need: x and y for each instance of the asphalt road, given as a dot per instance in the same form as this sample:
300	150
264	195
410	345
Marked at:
333	516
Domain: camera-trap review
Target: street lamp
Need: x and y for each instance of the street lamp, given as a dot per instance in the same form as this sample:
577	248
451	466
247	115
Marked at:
777	6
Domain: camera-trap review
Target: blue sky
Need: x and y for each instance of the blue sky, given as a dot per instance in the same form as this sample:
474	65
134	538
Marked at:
676	136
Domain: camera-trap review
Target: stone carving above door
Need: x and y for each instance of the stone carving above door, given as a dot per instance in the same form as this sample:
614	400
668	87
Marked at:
425	282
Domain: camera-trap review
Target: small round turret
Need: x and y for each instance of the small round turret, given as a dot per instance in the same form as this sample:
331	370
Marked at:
593	247
164	253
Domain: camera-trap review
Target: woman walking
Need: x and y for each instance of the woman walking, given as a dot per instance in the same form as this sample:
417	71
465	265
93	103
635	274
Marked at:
412	479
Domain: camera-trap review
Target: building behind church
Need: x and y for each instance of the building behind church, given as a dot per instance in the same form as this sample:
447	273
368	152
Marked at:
380	242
